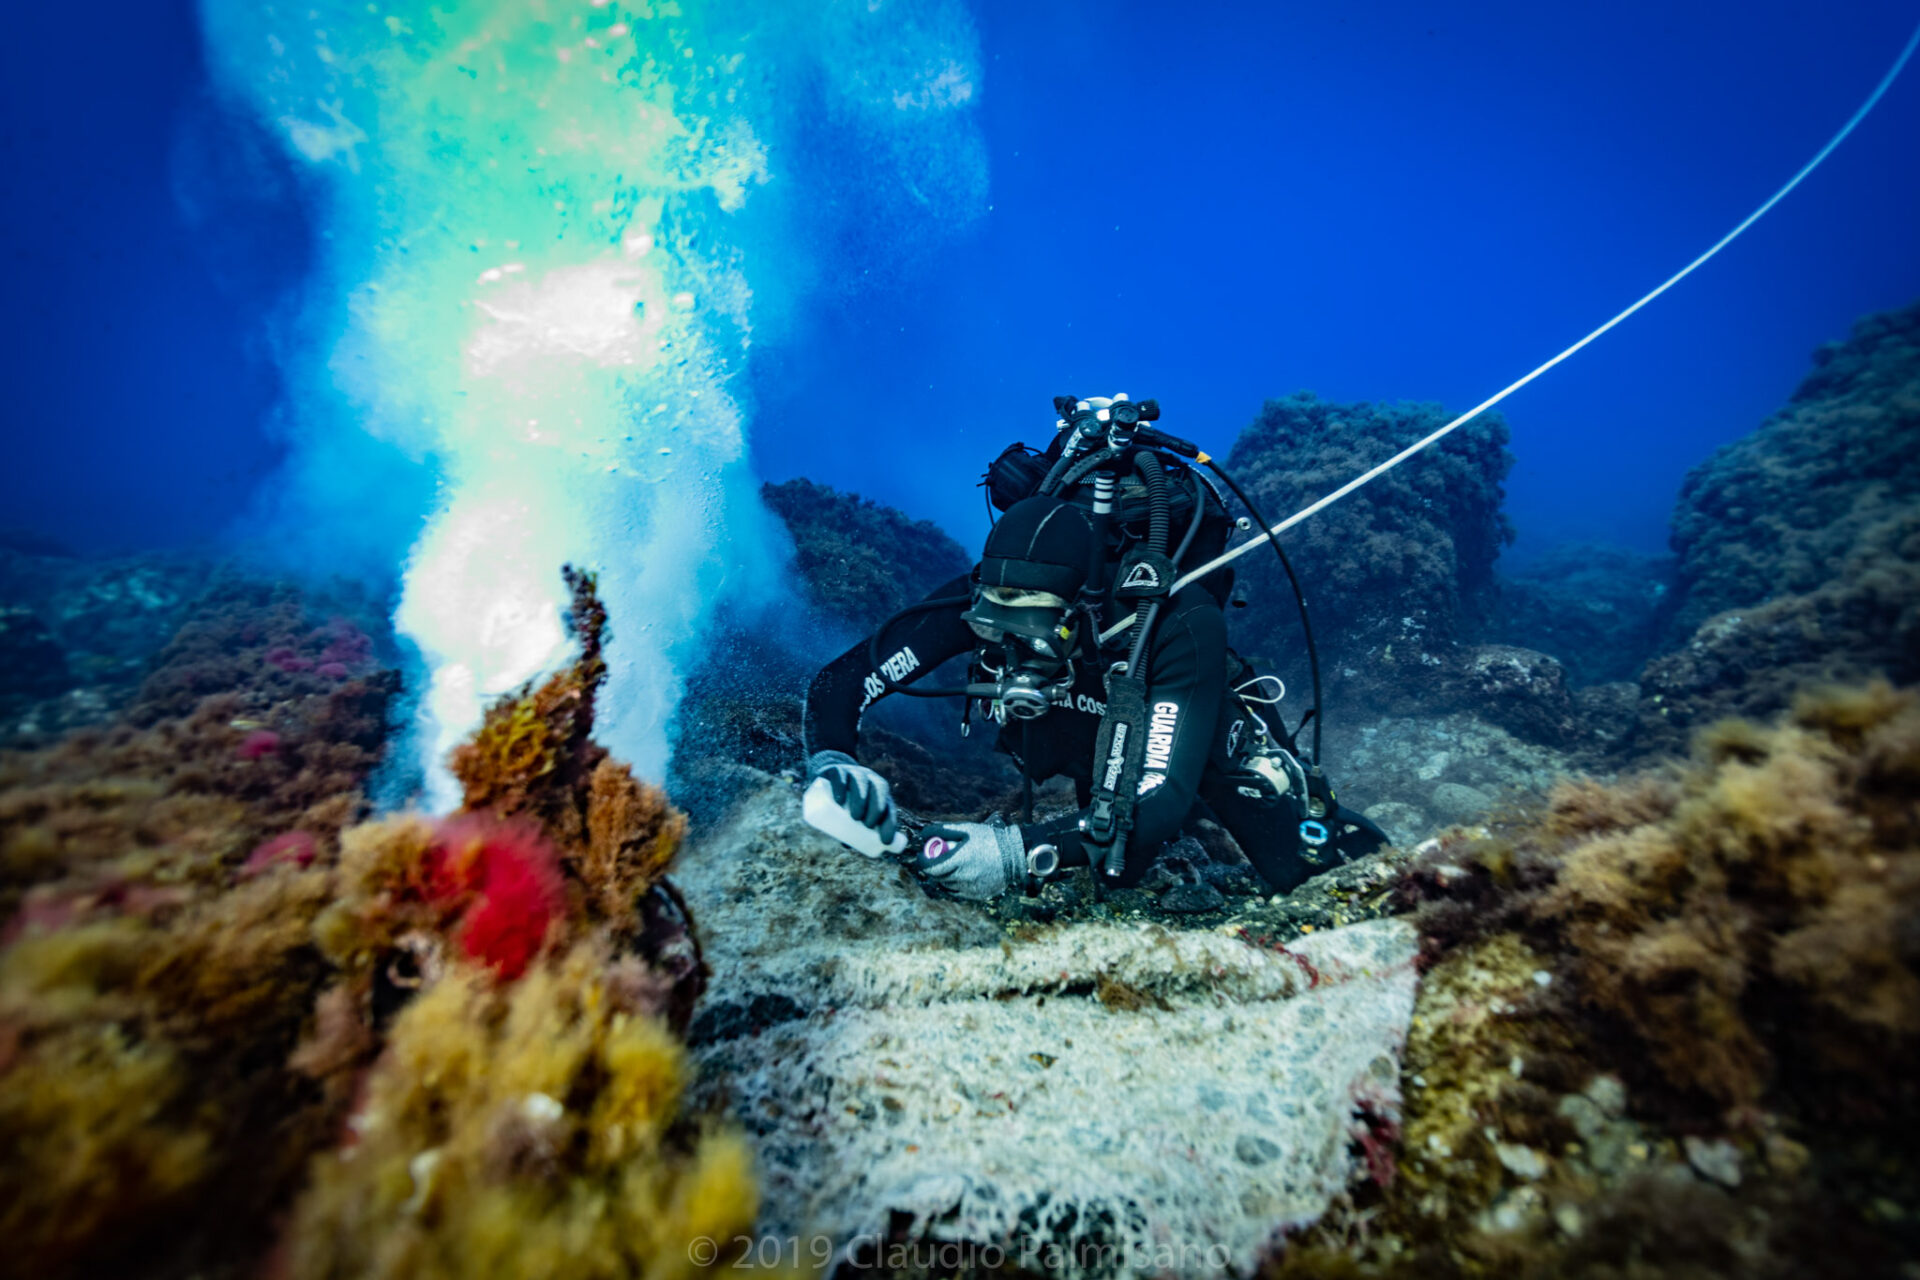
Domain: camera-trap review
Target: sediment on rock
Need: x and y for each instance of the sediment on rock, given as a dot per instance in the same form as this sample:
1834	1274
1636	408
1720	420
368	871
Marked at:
1105	1097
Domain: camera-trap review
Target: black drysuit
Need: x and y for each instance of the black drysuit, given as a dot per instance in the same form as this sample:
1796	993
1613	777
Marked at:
1196	727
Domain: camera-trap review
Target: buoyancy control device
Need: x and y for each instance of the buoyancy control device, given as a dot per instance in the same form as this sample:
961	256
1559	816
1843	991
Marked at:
1137	484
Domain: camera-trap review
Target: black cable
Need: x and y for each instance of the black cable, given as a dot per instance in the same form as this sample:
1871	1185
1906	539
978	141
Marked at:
1313	655
1141	630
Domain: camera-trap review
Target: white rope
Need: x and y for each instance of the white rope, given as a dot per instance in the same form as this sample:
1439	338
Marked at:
1235	553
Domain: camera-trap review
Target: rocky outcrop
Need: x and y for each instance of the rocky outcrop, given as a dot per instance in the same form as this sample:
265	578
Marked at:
1415	775
78	635
1521	690
110	615
1799	547
1113	1096
857	561
32	665
1751	662
1398	569
1775	513
1597	609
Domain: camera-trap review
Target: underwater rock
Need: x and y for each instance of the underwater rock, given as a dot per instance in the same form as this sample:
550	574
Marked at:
1687	994
859	561
1774	513
1399	571
32	665
1455	802
1598	609
1403	823
159	884
1751	662
206	970
1192	897
1799	547
1094	1086
1521	690
1399	763
165	631
1607	712
113	612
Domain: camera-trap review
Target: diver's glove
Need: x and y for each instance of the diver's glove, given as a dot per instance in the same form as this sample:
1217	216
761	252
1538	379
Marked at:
858	791
972	859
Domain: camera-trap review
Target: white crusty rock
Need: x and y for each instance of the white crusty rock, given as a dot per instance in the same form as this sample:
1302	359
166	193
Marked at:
892	1054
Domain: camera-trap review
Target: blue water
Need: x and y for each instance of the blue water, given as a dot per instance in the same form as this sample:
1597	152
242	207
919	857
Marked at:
1211	205
1218	204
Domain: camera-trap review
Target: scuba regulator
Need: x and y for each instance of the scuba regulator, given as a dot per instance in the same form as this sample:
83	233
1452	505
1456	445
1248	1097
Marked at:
1107	462
1026	658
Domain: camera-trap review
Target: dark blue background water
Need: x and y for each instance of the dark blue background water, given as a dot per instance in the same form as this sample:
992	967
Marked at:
1211	204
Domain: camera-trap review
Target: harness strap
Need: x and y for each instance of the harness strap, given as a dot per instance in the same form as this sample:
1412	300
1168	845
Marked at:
1119	760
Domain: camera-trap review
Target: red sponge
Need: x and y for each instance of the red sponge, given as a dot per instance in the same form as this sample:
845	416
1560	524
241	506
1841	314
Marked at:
514	880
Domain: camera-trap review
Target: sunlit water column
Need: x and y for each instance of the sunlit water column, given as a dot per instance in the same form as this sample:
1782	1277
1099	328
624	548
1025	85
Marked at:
514	196
534	283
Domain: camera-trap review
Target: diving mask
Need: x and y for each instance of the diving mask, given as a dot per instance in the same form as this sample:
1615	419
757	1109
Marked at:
1035	620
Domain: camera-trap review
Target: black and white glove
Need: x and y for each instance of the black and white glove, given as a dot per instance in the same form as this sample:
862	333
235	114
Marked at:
858	790
972	859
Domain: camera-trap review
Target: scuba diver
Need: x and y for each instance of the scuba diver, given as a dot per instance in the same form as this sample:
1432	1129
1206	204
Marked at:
1095	668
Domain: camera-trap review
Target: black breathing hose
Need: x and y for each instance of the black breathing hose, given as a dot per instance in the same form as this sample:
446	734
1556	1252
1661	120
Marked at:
1144	627
1313	655
1079	470
1158	520
887	682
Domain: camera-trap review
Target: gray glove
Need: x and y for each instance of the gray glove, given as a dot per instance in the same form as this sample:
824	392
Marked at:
972	859
857	789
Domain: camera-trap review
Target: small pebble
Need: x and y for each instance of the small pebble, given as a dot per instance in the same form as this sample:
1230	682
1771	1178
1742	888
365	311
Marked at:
1785	1156
1521	1162
1541	978
541	1108
1718	1160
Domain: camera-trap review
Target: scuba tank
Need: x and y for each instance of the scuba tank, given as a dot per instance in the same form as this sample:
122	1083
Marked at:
1138	485
1021	472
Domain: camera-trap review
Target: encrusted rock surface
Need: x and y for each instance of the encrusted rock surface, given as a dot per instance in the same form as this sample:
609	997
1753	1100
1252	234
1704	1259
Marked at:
32	665
76	635
1799	547
1105	1096
109	612
1416	774
1782	510
1598	609
1521	690
1402	567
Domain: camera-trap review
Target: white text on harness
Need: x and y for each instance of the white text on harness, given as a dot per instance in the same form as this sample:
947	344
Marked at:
895	668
